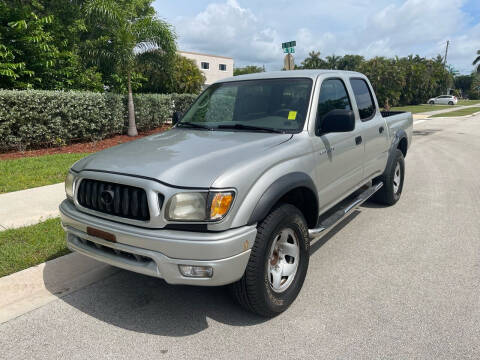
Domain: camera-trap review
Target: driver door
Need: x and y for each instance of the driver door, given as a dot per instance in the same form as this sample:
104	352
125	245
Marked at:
339	156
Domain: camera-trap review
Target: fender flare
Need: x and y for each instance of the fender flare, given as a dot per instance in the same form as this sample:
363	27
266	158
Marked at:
399	135
277	190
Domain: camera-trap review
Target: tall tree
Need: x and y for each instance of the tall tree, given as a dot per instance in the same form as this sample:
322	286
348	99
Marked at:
313	61
168	74
127	29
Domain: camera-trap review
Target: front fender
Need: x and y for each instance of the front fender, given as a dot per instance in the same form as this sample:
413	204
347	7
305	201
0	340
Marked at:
277	190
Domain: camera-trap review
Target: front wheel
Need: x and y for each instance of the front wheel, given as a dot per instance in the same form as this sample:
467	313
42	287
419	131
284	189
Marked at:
431	102
278	263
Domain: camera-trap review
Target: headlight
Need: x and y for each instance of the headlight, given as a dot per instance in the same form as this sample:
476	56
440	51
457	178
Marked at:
203	206
69	185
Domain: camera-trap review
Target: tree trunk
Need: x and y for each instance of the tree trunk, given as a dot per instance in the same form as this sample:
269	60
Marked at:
132	127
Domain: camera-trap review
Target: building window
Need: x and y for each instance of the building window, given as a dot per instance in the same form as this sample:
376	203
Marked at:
222	67
205	65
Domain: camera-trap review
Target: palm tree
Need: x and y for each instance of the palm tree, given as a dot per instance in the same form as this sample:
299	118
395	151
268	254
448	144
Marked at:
131	30
313	61
477	60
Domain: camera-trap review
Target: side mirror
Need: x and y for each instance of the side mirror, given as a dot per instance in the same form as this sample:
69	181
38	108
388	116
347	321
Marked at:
177	115
338	120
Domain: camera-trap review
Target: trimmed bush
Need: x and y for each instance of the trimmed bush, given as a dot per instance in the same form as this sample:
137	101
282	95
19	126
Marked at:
34	119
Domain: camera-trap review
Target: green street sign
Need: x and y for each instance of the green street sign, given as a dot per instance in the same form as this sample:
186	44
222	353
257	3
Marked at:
289	50
289	44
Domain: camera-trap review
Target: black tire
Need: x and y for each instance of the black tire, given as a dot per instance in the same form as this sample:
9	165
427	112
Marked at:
387	194
431	102
253	291
450	103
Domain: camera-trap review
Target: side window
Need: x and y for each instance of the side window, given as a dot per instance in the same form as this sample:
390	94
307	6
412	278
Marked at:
333	95
365	103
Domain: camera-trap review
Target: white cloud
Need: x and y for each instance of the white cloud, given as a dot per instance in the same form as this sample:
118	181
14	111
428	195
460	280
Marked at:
251	31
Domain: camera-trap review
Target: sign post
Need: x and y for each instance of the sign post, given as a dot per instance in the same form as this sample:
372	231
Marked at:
289	49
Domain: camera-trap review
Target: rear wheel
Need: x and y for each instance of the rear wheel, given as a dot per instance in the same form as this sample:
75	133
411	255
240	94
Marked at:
450	103
278	263
392	180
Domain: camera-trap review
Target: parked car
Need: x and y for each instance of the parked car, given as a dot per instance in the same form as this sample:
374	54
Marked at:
444	100
256	169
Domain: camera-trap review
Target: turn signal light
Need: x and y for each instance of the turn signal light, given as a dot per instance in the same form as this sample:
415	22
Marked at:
220	205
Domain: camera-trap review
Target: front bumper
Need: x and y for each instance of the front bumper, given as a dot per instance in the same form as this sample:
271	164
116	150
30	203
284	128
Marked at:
158	252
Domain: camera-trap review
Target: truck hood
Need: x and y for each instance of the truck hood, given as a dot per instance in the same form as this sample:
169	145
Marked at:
183	157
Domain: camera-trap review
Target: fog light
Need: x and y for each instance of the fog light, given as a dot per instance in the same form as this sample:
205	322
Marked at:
196	271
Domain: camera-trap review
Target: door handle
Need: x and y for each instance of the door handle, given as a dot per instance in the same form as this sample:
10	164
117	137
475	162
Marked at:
380	129
358	140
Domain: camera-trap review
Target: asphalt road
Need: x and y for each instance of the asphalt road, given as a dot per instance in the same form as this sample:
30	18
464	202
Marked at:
391	283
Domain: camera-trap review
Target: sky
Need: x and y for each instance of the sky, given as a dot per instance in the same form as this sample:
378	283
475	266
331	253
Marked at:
252	31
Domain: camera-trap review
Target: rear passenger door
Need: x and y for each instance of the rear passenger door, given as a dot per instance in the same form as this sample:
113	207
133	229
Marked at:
373	128
338	156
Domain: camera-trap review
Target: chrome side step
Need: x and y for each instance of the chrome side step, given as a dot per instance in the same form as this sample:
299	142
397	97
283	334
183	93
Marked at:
329	223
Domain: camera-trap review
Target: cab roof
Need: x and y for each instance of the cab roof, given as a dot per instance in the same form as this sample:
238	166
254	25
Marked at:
312	74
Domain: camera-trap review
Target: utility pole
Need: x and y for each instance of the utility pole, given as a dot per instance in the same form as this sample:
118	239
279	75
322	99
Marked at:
445	66
446	53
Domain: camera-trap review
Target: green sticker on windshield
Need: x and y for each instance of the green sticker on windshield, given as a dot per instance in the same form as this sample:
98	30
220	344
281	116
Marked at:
292	115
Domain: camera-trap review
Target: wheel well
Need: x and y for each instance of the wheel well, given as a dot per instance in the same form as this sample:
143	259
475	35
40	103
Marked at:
402	146
305	200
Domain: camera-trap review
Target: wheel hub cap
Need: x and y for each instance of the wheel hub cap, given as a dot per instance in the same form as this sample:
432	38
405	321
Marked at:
284	257
396	178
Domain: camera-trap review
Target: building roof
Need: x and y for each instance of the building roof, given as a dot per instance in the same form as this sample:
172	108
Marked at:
197	53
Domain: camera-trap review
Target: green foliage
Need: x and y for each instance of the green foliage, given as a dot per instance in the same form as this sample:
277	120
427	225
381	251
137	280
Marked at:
167	74
121	30
31	245
476	62
474	93
464	84
249	69
313	61
32	119
396	81
29	172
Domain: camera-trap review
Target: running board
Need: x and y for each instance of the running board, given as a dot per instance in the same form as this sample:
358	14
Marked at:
329	223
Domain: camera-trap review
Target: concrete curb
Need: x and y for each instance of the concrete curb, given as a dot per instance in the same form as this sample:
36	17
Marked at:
34	287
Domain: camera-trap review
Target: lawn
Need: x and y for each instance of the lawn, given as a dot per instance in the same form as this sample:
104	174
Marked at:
468	102
31	245
29	172
414	109
460	112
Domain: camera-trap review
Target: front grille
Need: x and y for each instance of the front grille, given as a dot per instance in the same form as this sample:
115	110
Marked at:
114	199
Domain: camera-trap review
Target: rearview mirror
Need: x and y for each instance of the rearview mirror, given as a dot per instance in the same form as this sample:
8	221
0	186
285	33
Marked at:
338	120
177	115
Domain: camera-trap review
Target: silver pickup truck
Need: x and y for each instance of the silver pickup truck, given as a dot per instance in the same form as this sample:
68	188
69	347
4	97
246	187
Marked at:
256	169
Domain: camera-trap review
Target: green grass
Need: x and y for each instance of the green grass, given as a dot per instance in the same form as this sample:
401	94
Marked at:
460	112
414	109
29	172
31	245
468	102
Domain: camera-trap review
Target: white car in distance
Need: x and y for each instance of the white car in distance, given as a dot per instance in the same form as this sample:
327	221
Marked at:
444	100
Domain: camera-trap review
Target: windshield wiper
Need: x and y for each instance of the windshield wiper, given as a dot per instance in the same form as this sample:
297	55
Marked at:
193	125
250	127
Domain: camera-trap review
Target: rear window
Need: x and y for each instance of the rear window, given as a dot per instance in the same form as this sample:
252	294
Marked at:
365	103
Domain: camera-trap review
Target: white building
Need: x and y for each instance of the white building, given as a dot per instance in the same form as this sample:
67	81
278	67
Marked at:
214	67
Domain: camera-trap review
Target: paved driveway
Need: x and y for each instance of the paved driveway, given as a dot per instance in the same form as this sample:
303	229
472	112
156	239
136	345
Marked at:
390	283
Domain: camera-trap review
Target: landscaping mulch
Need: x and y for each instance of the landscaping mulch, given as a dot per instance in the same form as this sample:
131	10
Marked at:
88	147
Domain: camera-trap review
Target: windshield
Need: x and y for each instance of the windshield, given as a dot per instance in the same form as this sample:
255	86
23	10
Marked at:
278	105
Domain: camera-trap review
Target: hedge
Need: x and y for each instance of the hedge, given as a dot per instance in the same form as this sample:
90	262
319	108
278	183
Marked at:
35	118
